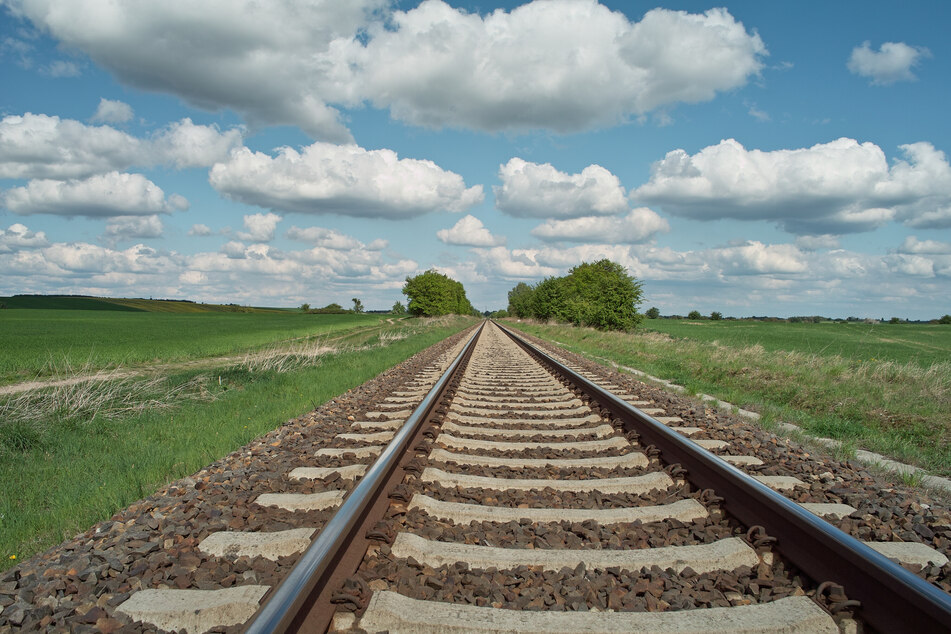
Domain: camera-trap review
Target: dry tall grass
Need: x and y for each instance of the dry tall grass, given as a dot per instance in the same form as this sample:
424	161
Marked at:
109	394
27	417
284	358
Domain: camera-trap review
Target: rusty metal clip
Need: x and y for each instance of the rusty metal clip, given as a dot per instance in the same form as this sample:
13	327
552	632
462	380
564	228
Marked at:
674	470
708	496
761	538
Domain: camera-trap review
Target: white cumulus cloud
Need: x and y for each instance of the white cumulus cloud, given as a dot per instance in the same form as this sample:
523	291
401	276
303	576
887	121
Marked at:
62	68
541	191
17	237
185	144
42	146
924	247
514	264
756	258
272	62
892	62
469	231
911	265
816	243
112	111
192	278
103	195
639	225
121	228
77	259
200	230
331	239
260	227
342	179
829	188
561	65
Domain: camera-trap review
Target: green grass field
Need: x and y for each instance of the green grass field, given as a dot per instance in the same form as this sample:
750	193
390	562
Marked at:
885	388
37	343
70	457
923	344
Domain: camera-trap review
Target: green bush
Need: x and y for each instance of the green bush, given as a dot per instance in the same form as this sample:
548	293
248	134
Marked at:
652	312
600	294
694	314
332	309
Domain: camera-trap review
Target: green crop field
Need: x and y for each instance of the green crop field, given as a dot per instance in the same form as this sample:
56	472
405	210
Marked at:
38	343
923	344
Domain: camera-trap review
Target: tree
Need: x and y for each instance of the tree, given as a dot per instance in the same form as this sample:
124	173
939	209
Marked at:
694	314
398	309
304	308
894	320
652	312
498	314
520	300
945	320
431	294
716	315
548	299
600	294
357	305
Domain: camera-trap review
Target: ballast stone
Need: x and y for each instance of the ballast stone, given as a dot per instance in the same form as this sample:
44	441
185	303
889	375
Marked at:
780	483
828	510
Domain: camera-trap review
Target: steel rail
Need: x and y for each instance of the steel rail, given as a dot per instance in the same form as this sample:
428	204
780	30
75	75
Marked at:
892	598
281	610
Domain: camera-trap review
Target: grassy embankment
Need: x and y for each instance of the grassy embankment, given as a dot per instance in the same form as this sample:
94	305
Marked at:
882	387
70	457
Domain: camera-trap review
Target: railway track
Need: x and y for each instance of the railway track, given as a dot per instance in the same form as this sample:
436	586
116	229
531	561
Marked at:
505	489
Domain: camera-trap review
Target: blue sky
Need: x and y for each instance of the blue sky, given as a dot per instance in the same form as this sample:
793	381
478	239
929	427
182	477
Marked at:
756	158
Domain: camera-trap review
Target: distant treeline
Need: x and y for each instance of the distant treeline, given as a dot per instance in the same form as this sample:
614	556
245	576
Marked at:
654	313
126	304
